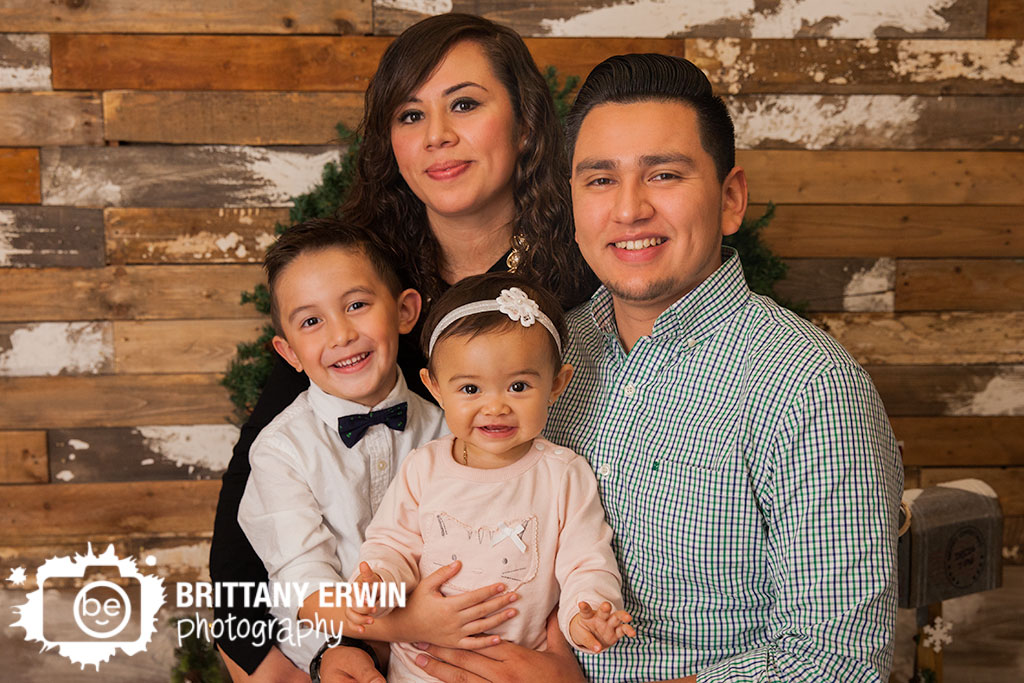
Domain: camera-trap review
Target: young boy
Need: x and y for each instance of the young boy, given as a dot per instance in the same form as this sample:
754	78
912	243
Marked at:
320	469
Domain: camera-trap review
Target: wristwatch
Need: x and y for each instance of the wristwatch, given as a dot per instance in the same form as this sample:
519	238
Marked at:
314	664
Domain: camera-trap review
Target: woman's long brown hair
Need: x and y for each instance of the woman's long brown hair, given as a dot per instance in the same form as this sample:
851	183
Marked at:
381	200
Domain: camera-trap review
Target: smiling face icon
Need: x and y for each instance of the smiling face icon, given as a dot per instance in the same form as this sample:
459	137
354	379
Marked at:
102	609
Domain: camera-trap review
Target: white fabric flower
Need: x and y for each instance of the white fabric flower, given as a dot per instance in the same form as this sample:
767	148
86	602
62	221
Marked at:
514	303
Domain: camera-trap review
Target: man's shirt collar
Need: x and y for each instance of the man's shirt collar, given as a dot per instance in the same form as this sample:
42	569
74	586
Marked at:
705	307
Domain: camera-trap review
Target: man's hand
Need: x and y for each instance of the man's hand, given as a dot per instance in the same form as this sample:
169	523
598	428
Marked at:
451	621
596	630
275	668
505	663
348	665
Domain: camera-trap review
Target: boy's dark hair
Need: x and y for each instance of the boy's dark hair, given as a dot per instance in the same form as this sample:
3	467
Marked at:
488	287
318	234
627	79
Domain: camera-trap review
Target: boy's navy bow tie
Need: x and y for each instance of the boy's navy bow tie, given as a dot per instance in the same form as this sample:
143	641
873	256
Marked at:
353	427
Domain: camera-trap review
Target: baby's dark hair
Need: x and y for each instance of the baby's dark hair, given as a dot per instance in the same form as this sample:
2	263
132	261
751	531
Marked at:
483	288
318	234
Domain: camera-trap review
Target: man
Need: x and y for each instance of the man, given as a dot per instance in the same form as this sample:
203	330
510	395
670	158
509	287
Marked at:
746	463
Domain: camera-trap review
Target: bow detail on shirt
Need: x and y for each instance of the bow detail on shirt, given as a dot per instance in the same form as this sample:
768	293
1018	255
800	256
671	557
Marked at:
511	534
352	428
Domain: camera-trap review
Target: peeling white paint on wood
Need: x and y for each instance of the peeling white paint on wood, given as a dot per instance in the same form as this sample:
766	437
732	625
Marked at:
872	289
207	446
78	445
1003	395
206	245
180	176
283	173
182	559
925	61
32	70
421	6
8	233
64	475
820	121
734	66
786	19
43	349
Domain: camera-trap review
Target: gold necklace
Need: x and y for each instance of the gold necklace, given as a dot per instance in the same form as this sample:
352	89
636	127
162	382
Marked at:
465	455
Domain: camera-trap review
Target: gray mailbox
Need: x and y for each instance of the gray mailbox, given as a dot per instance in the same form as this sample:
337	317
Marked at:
953	546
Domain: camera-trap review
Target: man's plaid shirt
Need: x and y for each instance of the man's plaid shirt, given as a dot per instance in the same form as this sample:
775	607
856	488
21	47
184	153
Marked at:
749	472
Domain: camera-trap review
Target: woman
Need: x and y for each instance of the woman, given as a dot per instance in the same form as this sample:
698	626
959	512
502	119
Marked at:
462	170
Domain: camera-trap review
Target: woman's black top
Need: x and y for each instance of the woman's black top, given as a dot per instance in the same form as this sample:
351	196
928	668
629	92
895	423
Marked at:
232	557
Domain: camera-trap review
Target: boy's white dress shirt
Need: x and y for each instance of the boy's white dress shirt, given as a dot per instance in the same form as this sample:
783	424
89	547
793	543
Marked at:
309	497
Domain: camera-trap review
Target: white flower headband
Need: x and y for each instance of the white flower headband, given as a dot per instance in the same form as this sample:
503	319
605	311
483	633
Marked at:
513	302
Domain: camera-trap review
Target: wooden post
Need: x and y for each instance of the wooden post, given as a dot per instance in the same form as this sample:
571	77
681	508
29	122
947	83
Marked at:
927	662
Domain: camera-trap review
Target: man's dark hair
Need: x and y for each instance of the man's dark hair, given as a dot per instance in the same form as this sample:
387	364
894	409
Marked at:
318	234
627	79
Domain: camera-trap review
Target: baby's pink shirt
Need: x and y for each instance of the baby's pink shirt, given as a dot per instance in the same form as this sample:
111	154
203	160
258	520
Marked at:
536	525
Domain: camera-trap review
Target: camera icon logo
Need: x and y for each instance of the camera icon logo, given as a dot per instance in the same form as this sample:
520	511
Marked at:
92	606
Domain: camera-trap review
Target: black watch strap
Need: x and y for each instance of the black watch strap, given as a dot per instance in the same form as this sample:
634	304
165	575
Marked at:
314	664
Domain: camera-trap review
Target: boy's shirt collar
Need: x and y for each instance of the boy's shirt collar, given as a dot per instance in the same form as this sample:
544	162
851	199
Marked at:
329	408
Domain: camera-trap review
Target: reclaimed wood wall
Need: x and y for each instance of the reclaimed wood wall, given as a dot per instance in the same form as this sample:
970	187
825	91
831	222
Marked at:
146	155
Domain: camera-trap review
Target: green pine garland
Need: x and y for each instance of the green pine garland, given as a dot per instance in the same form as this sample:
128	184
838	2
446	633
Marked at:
196	661
249	370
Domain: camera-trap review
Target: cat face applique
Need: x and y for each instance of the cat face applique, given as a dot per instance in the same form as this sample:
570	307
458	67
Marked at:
505	553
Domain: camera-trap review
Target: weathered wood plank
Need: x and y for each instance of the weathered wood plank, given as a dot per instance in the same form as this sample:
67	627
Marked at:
848	19
19	176
190	62
960	441
190	16
180	176
57	348
1005	19
237	118
23	457
1008	483
291	63
49	118
577	56
113	401
848	230
876	122
960	284
951	390
928	338
178	558
86	455
839	284
988	633
51	236
873	67
190	235
177	346
827	177
24	61
126	293
34	514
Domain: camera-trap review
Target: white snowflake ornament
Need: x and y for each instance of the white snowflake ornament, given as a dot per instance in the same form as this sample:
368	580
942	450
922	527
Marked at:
938	634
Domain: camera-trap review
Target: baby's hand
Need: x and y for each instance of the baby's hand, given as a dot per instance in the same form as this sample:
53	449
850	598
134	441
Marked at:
358	616
598	630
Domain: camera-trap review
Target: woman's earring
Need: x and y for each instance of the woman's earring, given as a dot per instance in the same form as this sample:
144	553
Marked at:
519	247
